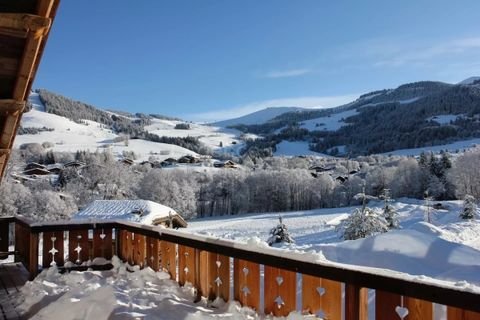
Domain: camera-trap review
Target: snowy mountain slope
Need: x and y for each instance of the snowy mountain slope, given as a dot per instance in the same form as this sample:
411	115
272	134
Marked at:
470	80
70	136
211	136
258	117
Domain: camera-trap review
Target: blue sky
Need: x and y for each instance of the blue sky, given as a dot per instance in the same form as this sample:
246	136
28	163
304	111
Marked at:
208	60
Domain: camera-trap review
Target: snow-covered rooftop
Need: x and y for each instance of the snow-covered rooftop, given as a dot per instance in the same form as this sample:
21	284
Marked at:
141	211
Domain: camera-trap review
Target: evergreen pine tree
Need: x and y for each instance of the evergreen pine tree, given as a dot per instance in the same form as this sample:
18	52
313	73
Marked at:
389	212
279	234
469	208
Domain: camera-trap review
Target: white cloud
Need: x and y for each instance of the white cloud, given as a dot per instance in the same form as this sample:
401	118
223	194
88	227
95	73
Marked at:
286	73
304	102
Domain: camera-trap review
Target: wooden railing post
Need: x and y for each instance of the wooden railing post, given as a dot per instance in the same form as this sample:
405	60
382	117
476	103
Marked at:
32	259
356	302
4	238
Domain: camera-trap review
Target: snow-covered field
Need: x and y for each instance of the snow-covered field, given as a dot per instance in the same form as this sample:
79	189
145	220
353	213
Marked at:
330	123
454	147
445	252
447	249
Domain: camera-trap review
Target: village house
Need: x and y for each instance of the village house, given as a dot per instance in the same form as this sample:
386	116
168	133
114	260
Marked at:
140	211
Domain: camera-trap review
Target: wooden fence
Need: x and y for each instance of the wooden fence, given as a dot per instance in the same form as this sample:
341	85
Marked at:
331	290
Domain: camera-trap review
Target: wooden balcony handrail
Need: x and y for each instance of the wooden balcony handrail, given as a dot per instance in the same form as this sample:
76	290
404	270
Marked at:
304	263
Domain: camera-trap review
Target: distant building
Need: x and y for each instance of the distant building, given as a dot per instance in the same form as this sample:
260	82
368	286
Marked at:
141	211
226	164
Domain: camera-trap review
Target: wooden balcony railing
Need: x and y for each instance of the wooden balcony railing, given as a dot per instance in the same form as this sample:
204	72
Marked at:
209	263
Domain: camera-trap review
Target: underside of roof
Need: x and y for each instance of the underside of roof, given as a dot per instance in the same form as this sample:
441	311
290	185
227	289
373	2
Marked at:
24	28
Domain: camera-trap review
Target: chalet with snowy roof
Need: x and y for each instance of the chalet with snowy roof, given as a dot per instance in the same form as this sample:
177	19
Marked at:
189	159
127	161
74	164
227	164
36	171
34	165
140	211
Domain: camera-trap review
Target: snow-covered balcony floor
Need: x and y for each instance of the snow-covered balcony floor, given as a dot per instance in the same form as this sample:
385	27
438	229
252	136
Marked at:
12	278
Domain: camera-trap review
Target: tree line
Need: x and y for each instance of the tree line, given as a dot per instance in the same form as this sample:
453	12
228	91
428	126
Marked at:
260	185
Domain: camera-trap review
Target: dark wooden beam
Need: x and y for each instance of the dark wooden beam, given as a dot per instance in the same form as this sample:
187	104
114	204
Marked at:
11	106
25	22
25	6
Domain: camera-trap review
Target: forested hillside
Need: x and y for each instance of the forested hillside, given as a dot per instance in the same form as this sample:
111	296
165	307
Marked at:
409	116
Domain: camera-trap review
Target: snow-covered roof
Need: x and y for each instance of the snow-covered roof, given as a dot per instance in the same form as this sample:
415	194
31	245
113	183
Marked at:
141	211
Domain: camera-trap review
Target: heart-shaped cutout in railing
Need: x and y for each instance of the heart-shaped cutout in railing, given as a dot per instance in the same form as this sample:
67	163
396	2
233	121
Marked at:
401	311
279	280
321	291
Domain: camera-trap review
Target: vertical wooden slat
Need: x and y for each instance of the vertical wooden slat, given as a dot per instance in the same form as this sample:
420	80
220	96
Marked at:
128	245
168	256
386	304
418	309
460	314
246	277
102	243
356	302
153	259
4	238
322	296
222	264
78	238
32	265
139	248
48	244
206	271
20	244
186	265
280	291
214	275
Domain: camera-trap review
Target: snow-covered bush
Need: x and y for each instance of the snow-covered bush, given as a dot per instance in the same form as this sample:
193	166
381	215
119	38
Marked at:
279	234
361	224
469	208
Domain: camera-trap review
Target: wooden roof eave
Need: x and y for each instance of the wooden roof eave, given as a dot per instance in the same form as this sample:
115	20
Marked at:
17	21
